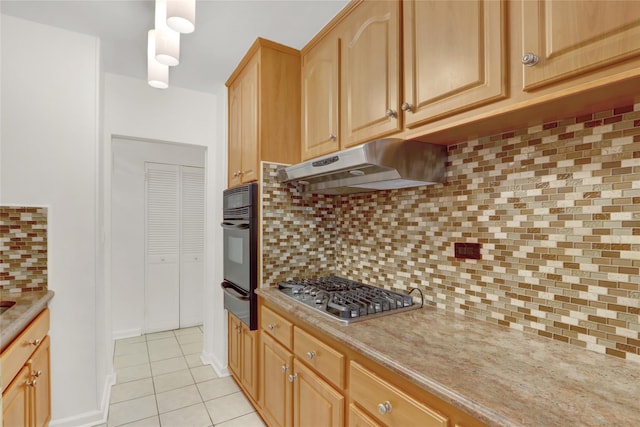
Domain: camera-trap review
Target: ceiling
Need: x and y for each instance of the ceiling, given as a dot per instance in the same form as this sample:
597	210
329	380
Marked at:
225	29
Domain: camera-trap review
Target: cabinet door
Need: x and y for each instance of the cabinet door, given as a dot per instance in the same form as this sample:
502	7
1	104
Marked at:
320	99
235	345
249	360
249	104
315	402
235	135
454	57
15	409
276	395
573	37
370	52
40	379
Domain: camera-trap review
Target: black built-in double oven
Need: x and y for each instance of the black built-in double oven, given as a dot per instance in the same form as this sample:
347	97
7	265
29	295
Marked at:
240	236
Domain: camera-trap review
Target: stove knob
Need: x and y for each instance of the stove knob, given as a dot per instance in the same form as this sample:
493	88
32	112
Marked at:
311	355
384	408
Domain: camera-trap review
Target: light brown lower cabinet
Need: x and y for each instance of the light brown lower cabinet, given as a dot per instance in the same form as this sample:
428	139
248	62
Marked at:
292	394
243	355
275	366
307	378
298	376
40	388
15	401
26	400
315	402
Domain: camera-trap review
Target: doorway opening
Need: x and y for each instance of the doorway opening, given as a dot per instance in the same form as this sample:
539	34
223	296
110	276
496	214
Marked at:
157	234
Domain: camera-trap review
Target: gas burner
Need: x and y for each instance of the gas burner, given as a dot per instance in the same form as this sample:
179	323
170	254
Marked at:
346	300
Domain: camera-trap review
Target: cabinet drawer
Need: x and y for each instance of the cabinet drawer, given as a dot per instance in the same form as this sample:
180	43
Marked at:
325	360
276	326
17	353
372	393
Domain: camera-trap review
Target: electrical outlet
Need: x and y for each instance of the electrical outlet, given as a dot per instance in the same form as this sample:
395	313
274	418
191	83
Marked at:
467	250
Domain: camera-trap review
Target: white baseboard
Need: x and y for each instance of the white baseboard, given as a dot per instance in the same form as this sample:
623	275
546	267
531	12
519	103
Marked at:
190	323
127	333
220	368
93	418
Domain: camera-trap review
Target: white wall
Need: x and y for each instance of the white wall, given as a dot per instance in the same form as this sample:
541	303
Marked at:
128	224
50	122
215	320
58	113
135	110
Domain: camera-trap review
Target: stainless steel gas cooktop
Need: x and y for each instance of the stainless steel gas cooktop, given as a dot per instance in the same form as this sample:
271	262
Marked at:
346	300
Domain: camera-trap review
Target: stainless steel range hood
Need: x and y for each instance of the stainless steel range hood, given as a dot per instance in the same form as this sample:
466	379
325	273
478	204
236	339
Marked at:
382	164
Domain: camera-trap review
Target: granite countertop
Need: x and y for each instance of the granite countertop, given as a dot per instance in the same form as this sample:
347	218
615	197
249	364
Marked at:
501	376
28	306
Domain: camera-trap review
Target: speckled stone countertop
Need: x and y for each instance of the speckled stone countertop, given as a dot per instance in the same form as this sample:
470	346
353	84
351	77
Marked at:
28	306
501	376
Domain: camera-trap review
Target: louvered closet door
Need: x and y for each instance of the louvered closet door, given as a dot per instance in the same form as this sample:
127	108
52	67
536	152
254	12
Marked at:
162	228
191	245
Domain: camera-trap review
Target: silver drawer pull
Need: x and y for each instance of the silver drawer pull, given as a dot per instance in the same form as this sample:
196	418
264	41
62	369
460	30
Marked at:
293	377
406	107
35	342
284	368
271	326
311	355
384	408
529	59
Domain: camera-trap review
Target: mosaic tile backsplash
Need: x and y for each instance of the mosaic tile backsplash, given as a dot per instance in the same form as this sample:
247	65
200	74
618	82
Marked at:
298	232
555	207
23	249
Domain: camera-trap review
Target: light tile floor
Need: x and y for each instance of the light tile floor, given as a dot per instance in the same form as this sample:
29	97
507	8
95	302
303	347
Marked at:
161	382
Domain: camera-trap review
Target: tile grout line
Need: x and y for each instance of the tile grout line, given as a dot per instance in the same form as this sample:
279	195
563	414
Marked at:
195	383
153	383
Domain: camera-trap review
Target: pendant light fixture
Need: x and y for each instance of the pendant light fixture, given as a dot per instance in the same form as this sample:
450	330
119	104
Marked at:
181	15
157	73
167	40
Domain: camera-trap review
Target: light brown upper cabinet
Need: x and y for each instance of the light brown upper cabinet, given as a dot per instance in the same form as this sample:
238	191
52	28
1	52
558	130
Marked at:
562	39
243	126
264	107
446	71
370	72
320	80
454	57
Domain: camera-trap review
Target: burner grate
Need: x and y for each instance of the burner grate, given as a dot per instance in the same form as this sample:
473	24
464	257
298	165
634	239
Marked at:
346	299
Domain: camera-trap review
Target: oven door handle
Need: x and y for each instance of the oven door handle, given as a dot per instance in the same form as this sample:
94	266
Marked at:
232	226
232	292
